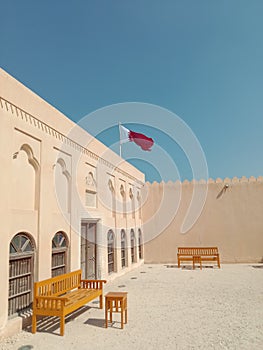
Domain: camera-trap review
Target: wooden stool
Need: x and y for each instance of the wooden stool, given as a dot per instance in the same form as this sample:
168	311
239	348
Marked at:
197	259
115	302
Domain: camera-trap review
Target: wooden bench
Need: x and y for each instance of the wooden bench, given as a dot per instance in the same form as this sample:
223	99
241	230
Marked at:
198	254
61	295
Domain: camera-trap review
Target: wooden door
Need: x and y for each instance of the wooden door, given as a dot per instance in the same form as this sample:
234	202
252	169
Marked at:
88	250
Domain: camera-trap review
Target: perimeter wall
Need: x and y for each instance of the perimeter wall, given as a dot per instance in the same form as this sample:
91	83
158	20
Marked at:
232	219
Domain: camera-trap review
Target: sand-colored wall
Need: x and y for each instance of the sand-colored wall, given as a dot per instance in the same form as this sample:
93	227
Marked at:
232	219
48	163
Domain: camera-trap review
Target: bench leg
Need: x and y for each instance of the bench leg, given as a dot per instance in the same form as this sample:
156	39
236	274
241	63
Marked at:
218	262
121	319
62	325
101	301
106	314
34	323
179	262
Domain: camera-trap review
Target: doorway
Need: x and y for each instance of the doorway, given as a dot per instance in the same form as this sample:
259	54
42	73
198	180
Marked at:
88	250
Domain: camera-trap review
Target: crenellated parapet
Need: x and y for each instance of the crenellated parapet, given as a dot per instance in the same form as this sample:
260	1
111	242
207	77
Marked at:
210	181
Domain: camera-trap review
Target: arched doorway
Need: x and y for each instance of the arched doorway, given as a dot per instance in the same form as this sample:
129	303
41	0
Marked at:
21	273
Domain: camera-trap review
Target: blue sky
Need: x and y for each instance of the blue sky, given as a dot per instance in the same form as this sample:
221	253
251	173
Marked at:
200	59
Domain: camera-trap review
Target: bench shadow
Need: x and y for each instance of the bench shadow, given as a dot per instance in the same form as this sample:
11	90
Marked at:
97	322
190	267
51	324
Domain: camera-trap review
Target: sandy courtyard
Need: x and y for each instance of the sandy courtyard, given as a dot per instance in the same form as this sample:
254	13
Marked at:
168	308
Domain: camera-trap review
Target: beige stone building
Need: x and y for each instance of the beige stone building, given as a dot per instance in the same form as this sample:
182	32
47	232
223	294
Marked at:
67	201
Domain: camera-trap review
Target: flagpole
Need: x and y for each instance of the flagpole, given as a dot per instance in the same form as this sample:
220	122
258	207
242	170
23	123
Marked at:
120	137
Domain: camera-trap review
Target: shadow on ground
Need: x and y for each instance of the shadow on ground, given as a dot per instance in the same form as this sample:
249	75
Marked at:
51	324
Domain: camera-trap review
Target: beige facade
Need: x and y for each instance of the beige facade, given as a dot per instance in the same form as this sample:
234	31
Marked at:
231	219
67	201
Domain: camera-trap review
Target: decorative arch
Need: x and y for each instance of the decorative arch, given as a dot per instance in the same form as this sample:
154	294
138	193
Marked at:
139	200
26	185
131	195
111	251
91	190
59	261
63	186
113	199
21	272
123	195
65	172
31	159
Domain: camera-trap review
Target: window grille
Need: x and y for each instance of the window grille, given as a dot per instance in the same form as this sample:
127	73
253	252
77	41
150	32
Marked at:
59	251
21	276
110	251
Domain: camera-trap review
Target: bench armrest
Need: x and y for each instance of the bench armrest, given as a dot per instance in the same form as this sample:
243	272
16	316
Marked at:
92	284
50	302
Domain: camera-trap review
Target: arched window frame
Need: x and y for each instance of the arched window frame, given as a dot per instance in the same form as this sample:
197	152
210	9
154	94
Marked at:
59	254
111	251
133	246
21	272
140	244
123	249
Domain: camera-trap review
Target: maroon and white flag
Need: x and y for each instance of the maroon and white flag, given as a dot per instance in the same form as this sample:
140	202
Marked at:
141	140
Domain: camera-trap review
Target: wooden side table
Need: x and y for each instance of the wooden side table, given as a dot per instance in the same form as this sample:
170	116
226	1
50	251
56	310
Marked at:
116	302
197	259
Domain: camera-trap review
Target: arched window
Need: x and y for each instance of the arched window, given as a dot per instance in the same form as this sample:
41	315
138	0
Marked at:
133	247
123	249
59	254
140	244
111	251
21	273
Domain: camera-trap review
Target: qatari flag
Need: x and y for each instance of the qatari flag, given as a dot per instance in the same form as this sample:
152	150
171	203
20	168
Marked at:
141	140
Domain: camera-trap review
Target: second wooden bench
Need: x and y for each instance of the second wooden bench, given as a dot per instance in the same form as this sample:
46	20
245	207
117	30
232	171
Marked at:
198	254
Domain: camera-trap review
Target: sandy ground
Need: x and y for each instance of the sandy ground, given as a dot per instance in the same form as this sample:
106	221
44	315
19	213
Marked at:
168	308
